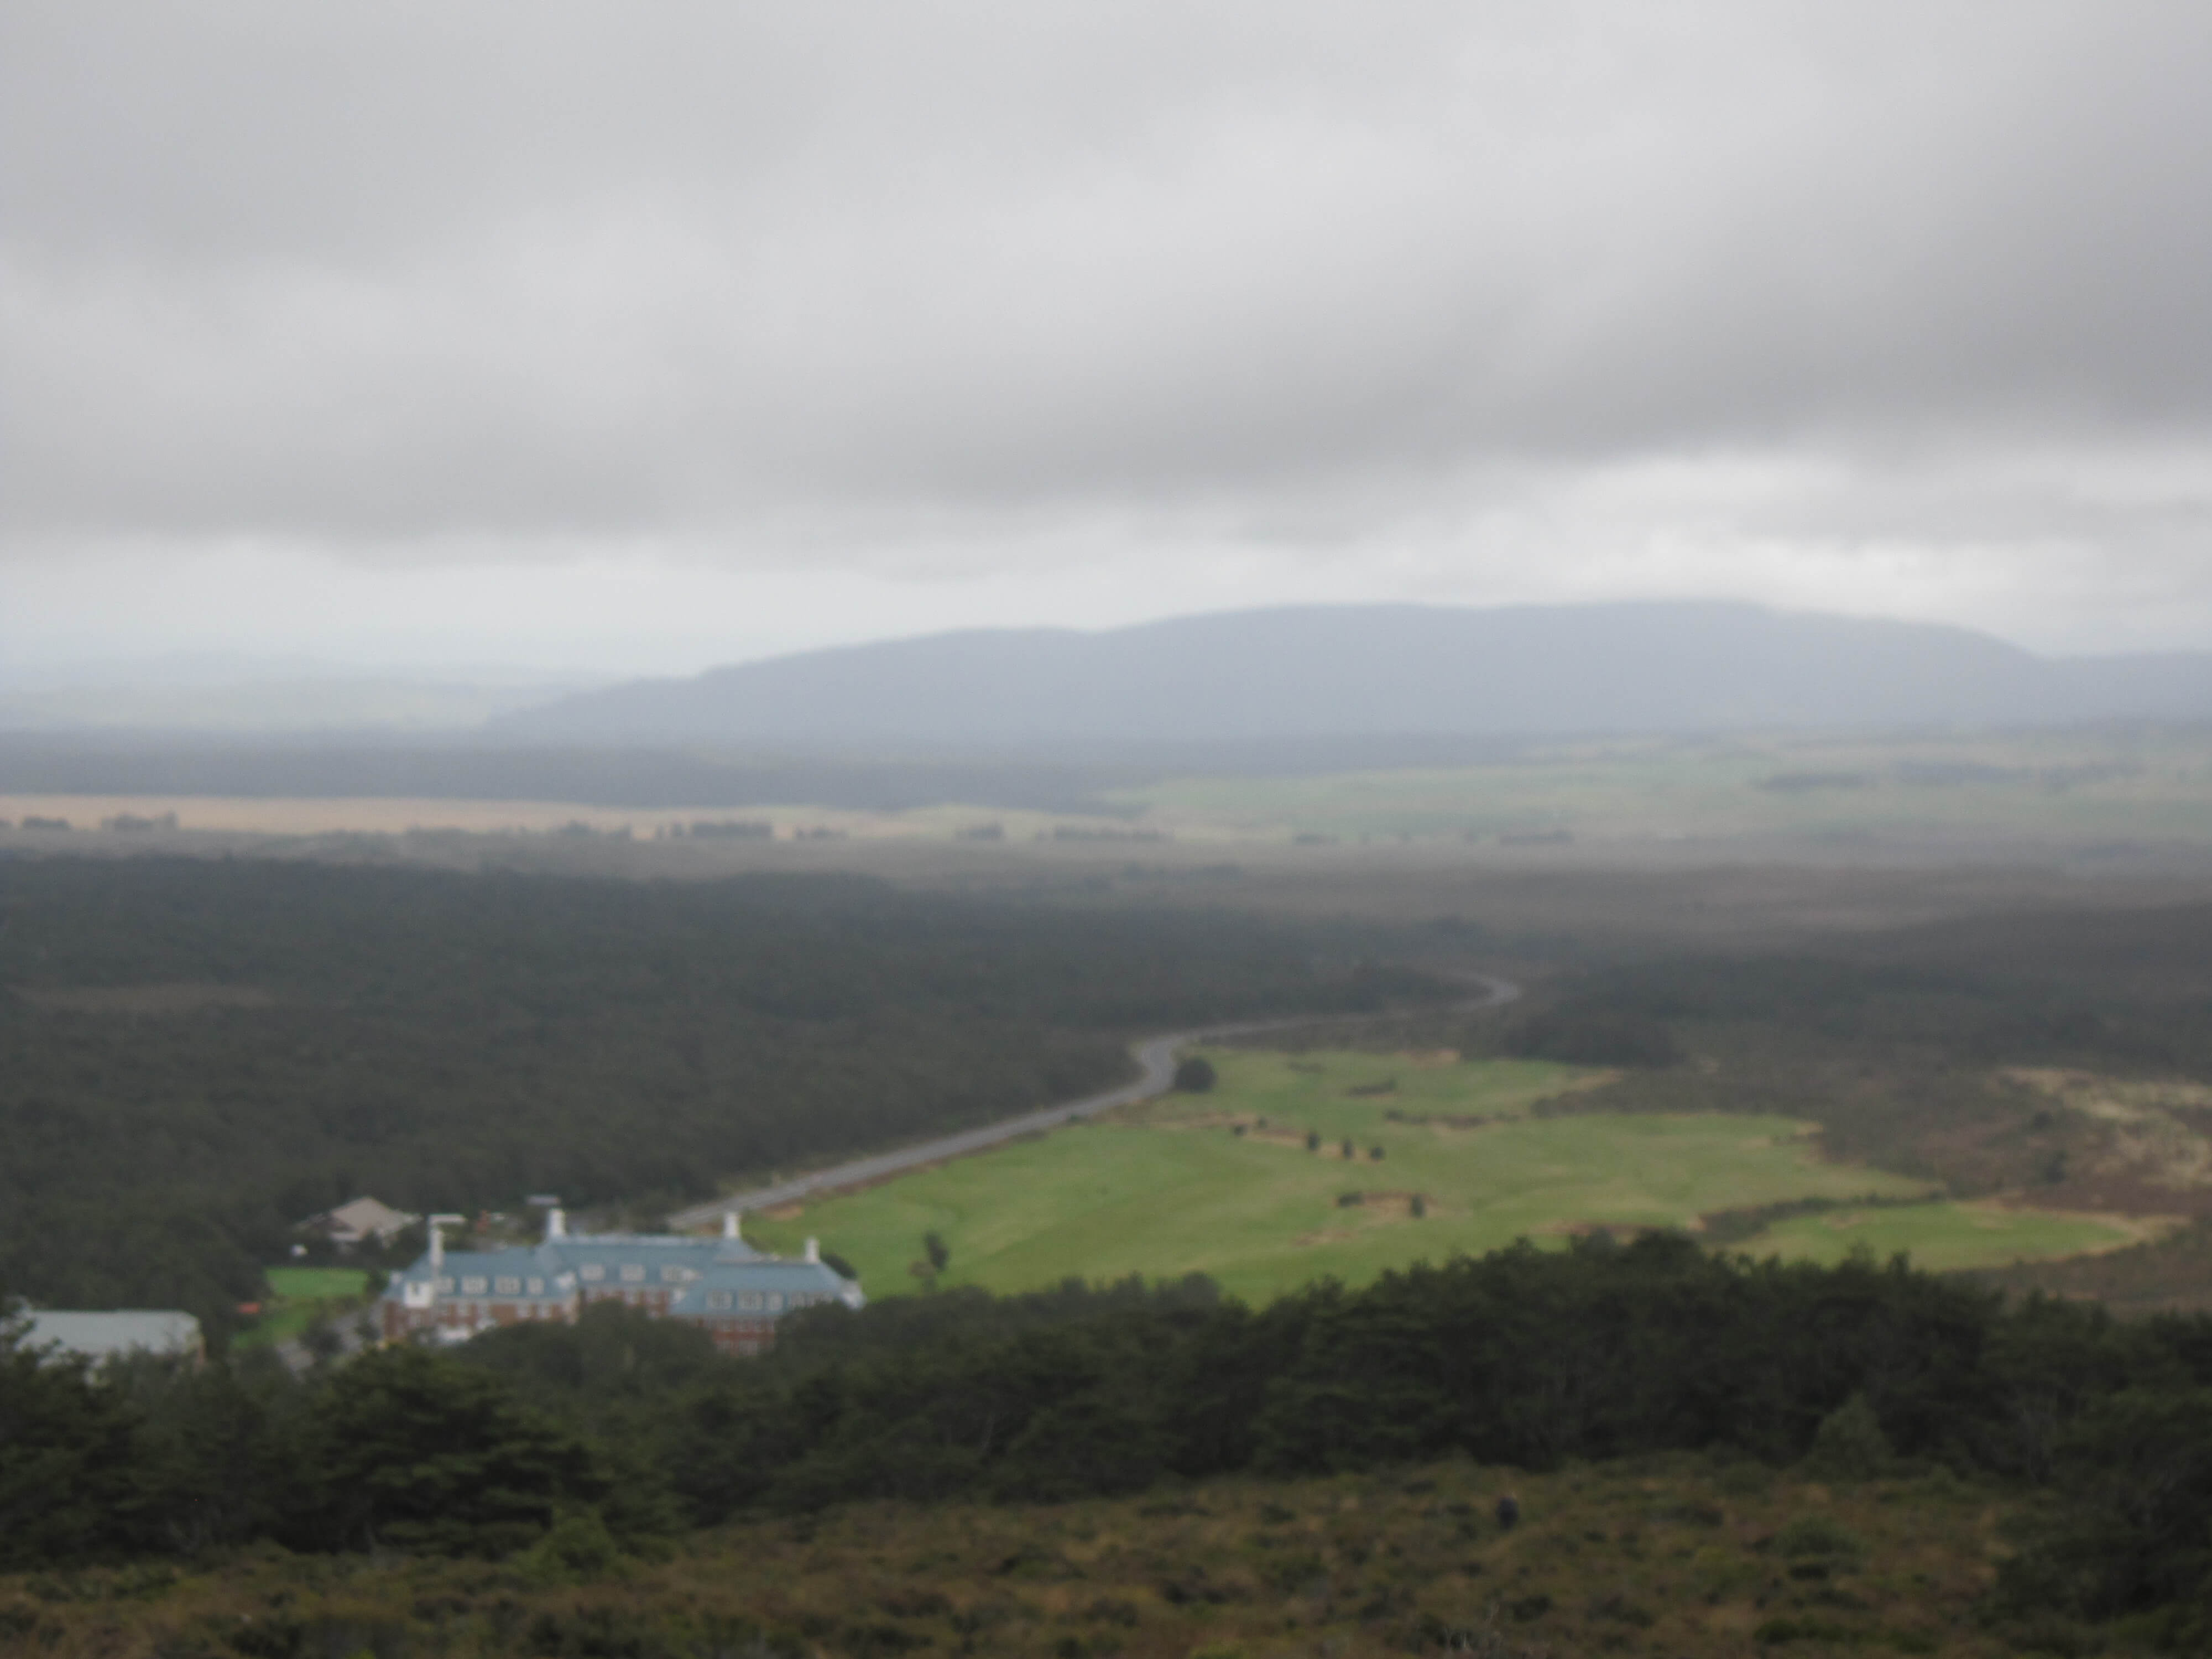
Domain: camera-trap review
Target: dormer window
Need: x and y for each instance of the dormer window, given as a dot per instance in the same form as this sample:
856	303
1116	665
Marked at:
672	1275
594	1274
538	1287
634	1274
510	1287
446	1287
474	1286
718	1301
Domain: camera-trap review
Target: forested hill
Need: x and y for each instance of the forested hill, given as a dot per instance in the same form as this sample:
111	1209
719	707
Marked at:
193	1055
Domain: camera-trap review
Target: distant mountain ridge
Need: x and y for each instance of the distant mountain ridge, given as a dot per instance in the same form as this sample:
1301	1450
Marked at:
1408	671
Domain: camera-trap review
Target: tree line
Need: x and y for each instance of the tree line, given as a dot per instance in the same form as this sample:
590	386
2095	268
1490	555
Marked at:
1524	1357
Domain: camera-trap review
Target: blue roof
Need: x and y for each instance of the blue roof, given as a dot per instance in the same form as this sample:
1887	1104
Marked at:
519	1266
654	1245
699	1265
815	1282
649	1251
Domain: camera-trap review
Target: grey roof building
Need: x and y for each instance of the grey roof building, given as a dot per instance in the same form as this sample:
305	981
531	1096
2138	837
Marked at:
100	1336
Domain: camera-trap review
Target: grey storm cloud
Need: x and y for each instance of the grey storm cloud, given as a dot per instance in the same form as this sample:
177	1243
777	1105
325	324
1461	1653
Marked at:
380	275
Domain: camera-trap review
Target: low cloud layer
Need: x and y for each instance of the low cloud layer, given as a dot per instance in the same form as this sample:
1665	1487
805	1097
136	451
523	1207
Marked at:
1889	307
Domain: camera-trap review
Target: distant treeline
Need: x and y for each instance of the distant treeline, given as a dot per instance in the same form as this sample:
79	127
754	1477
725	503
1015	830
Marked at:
1524	1359
1979	1014
273	1038
2126	989
641	777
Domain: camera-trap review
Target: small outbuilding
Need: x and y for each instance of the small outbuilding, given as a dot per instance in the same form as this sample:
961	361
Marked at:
356	1223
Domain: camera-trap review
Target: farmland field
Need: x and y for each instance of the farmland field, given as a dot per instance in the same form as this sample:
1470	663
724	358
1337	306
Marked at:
2087	789
2144	787
1226	1184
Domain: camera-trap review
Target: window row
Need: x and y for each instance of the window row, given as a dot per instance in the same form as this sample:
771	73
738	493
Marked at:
505	1284
748	1301
633	1274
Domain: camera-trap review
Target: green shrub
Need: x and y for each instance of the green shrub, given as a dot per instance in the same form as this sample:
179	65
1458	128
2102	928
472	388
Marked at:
1849	1444
578	1550
1196	1075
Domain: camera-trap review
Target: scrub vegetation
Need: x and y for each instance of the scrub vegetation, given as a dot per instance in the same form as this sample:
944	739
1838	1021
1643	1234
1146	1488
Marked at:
1724	1456
1682	1554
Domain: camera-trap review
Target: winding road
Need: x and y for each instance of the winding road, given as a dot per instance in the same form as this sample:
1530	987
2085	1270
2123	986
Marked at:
1155	1061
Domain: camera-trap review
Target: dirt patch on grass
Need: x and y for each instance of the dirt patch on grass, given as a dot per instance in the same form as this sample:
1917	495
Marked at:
182	997
1621	1229
1566	1092
1391	1205
1443	1120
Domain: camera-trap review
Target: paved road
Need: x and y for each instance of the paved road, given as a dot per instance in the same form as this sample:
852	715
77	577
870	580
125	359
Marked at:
1155	1058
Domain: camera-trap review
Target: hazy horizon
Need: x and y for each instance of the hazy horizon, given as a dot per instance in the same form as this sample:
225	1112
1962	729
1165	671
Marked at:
216	669
1266	673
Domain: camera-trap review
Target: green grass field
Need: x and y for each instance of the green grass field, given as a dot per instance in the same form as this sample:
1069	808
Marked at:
318	1283
1941	1237
299	1295
1173	1188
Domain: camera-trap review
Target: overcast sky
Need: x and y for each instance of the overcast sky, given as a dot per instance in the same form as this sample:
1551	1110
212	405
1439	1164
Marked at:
645	337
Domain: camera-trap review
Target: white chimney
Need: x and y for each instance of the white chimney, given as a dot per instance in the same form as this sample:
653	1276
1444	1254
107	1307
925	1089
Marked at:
814	1249
438	1238
730	1225
557	1224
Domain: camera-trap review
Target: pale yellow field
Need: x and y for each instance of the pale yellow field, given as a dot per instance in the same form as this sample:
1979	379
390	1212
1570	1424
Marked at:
371	815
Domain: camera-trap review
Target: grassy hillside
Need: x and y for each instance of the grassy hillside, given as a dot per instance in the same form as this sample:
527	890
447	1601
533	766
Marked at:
1659	1556
1225	1183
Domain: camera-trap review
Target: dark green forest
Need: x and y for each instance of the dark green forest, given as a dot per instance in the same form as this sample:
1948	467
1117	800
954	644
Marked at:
2139	999
196	1055
1524	1359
